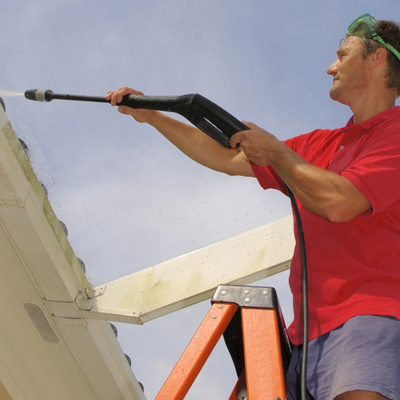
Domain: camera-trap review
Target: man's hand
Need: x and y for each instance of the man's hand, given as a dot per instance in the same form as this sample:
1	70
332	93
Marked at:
259	145
140	115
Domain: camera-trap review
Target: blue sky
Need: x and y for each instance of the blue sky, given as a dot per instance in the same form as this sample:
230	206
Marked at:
130	200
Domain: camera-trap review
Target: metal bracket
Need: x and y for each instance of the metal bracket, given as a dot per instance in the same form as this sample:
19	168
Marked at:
94	292
83	302
247	296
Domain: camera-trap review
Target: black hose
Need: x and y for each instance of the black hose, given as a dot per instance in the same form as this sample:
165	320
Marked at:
304	293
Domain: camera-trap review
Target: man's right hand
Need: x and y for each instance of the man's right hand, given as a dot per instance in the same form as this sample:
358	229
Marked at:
140	115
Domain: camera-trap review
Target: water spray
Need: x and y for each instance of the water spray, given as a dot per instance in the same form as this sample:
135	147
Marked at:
201	112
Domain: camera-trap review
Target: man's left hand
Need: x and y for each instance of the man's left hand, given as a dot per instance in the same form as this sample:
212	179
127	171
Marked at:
259	145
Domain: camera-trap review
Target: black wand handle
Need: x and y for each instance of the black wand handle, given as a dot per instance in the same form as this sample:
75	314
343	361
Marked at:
201	112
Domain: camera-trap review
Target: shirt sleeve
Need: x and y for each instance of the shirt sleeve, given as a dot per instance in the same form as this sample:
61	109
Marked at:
311	146
376	169
268	177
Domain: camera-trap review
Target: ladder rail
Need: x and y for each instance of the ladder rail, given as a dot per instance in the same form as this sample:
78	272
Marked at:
263	359
197	352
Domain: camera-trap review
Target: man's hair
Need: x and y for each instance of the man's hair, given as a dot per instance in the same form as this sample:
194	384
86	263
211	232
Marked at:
390	33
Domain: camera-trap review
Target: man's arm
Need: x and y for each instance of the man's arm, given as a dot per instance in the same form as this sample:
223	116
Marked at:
322	192
189	139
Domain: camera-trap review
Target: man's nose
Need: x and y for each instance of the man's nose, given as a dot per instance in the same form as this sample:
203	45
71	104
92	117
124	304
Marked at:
332	70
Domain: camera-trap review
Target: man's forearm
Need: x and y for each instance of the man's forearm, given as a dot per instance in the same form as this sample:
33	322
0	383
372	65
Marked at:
322	192
200	147
190	140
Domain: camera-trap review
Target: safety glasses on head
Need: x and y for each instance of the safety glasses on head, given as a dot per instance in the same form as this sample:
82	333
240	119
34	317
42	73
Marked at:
365	27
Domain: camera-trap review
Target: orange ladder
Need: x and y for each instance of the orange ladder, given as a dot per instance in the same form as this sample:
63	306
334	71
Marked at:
264	350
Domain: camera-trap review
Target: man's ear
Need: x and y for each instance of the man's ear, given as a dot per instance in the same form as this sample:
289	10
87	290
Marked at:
378	57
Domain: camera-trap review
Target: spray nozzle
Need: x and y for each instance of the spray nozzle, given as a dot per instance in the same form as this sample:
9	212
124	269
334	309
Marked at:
39	94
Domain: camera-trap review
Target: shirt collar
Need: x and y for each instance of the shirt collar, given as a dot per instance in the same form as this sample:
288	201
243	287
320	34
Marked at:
353	131
391	113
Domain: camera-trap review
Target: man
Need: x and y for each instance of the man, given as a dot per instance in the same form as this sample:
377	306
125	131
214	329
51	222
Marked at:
346	182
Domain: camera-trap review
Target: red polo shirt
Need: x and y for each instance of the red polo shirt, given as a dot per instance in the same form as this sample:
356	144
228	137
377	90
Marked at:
353	267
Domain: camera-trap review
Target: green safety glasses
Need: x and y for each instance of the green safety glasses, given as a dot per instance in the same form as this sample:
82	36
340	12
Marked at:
365	27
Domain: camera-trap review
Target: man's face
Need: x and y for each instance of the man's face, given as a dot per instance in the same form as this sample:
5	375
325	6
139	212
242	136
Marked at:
348	71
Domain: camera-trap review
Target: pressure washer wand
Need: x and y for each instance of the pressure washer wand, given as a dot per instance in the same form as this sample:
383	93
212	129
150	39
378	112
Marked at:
201	112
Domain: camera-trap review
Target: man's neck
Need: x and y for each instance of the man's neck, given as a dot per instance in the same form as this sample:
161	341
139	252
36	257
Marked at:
370	105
